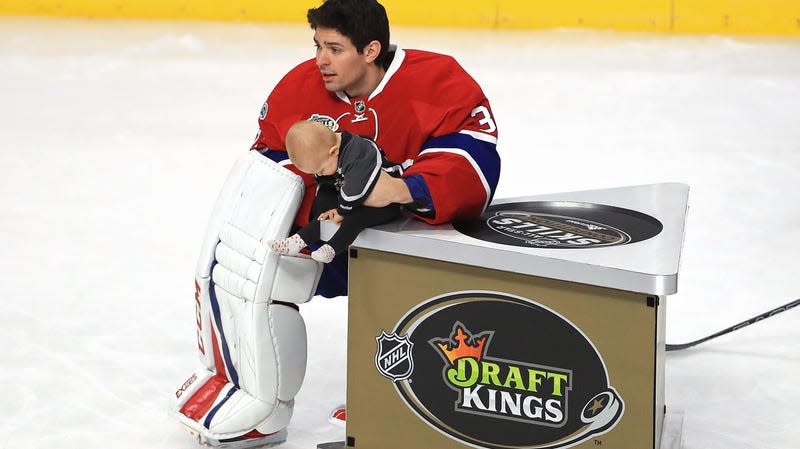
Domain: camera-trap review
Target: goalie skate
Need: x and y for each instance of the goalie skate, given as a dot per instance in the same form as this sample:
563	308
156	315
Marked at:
253	439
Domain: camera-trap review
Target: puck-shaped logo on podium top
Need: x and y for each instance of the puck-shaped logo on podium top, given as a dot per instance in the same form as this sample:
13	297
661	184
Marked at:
560	224
494	370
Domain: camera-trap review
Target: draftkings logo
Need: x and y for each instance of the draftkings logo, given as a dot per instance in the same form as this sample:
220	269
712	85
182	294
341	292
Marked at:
504	389
498	371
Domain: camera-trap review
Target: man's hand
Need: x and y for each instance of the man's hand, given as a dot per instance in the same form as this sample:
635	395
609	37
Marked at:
332	215
388	190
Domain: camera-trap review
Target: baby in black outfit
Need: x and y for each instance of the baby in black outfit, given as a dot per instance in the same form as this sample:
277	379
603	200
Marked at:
347	168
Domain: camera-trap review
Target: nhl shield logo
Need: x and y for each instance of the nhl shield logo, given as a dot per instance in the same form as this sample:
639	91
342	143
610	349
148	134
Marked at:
393	357
360	106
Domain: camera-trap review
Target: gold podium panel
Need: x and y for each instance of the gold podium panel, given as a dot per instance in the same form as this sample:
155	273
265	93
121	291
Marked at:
540	325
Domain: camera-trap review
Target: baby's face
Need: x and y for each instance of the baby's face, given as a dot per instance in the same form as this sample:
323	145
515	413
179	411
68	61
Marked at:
322	167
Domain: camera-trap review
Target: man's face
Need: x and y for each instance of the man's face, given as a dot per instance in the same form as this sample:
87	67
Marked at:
342	67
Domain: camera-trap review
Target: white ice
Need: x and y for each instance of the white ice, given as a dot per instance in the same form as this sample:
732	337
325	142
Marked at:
115	137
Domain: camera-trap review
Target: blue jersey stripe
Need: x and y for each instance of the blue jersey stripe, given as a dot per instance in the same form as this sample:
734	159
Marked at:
483	153
276	156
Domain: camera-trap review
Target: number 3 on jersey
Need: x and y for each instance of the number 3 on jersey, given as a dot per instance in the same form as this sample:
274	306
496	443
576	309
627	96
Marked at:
486	118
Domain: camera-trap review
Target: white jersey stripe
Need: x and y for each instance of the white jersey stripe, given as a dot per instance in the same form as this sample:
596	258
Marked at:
474	164
399	56
480	136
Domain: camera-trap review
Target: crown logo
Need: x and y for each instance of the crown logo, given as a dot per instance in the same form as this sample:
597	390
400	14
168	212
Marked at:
462	343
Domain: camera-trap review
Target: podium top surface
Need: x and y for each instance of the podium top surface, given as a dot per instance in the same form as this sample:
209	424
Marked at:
627	238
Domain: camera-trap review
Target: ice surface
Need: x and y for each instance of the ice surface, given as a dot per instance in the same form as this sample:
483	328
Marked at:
115	137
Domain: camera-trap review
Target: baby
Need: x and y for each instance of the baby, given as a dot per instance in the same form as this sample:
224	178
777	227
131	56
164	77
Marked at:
347	168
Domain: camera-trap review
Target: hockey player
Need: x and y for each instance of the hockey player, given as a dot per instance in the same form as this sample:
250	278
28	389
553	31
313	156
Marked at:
422	109
347	168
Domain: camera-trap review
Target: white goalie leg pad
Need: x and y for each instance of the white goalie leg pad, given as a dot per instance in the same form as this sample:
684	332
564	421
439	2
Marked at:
253	350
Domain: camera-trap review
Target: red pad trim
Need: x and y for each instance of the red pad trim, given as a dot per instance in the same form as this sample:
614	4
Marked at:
254	434
203	399
340	414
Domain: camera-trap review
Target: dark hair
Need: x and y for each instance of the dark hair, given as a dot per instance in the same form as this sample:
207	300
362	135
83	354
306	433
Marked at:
362	21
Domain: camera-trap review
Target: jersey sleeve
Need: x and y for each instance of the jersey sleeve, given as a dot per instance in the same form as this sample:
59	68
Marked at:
458	163
459	171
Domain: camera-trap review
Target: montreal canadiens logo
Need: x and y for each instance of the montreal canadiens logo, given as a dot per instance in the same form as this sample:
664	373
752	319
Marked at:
541	224
494	370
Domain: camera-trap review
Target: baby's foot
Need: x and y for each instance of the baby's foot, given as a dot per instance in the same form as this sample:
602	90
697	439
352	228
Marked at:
324	254
289	246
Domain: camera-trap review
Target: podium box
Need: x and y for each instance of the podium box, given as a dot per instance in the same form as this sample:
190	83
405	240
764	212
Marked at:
538	325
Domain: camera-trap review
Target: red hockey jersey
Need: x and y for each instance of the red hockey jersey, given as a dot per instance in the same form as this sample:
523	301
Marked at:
427	114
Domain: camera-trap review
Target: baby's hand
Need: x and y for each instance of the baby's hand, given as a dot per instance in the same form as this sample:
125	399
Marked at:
332	215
